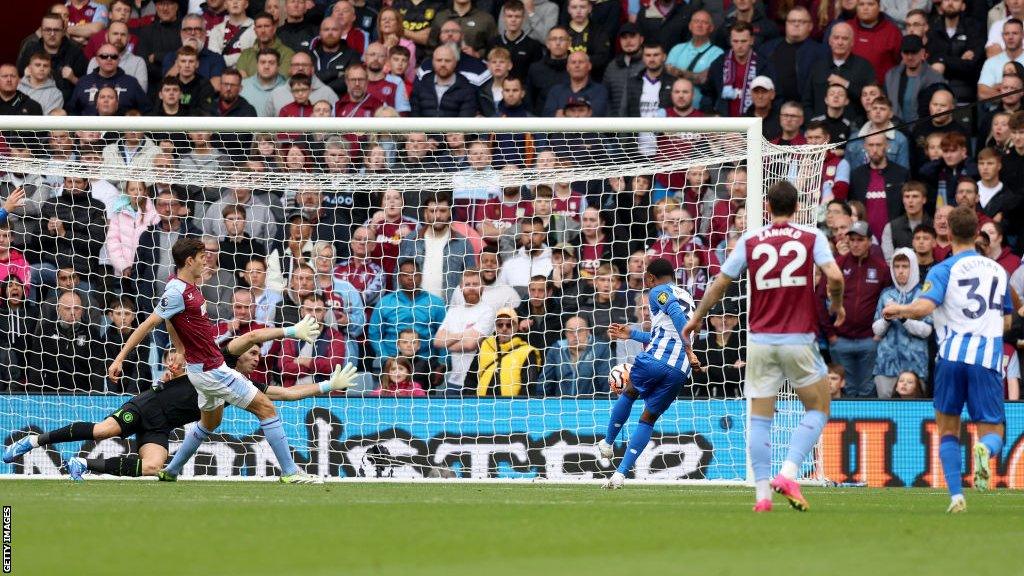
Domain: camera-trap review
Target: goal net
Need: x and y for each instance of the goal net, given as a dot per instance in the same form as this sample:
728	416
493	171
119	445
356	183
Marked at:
371	226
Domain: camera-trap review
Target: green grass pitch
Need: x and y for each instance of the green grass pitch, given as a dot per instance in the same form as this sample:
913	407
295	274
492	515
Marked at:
250	529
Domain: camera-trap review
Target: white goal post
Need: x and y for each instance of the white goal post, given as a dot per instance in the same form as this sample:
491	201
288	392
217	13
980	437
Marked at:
542	430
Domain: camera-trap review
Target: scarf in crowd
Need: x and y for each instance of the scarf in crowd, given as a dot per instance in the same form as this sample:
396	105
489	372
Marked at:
730	75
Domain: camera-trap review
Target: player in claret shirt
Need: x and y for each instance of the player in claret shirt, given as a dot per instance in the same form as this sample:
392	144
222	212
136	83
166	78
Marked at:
783	322
184	310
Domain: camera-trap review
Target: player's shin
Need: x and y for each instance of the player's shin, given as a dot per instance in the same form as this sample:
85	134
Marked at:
620	413
951	456
129	466
994	443
760	446
802	441
273	431
70	433
637	442
195	435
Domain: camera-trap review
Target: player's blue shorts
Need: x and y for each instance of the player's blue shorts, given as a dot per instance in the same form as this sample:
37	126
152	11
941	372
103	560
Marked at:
657	383
957	383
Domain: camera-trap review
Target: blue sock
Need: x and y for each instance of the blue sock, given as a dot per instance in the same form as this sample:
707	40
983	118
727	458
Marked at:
195	435
805	436
637	442
994	443
273	431
950	454
620	413
761	447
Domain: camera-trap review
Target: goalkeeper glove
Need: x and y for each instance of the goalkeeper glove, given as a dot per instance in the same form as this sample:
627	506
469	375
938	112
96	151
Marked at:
341	379
307	329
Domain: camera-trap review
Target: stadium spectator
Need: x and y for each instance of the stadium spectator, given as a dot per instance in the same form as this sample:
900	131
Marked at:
298	27
764	105
793	55
301	362
747	12
300	106
463	327
133	213
428	373
345	307
942	122
390	226
540	17
909	385
899	232
259	221
730	76
478	26
153	258
879	114
132	150
361	269
995	199
75	227
213	12
396	380
67	63
301	283
523	50
650	91
64	356
539	314
18	320
836	380
837	114
852	343
501	214
905	82
117	36
678	238
942	175
197	93
997	250
1010	88
499	64
791	118
442	253
267	300
37	84
203	156
119	12
284	256
666	22
876	184
217	284
130	95
258	88
724	207
943	240
209	64
549	71
442	92
627	64
242	321
608	304
169	100
331	55
589	36
468	65
233	34
14	102
842	67
265	28
494	292
992	69
721	353
532	257
902	344
386	87
693	58
392	33
875	37
924	246
137	375
957	48
344	13
507	365
406	307
571	291
237	248
577	365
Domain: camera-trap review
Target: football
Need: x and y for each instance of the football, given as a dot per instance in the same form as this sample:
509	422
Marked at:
619	377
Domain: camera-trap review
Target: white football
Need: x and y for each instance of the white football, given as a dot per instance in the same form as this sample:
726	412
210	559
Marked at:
619	377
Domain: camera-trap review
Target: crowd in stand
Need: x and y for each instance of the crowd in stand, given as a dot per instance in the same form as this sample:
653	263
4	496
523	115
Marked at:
482	290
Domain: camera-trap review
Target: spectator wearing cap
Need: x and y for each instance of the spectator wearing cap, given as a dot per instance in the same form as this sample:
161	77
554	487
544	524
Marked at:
992	69
464	325
764	105
875	37
507	364
956	49
579	86
852	343
794	54
549	71
841	67
905	82
877	184
730	76
577	365
515	36
650	91
748	12
443	92
623	67
720	351
533	256
265	27
407	307
540	314
691	59
443	253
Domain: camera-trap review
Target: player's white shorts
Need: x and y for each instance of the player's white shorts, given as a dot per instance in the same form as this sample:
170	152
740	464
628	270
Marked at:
769	365
220	385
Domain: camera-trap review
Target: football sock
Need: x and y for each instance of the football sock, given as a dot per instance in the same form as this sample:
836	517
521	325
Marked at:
620	413
273	431
119	466
69	433
802	441
994	443
761	454
195	435
950	454
637	442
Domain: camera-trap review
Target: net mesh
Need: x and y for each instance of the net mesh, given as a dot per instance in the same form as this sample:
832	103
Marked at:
334	214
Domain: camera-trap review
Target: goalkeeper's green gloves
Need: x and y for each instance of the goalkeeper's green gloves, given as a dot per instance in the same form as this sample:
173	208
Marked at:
340	379
307	329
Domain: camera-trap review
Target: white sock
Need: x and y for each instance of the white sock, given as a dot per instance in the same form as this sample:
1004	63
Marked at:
789	470
763	489
34	440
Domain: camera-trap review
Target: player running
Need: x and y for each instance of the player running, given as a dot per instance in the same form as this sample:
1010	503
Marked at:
658	372
783	321
153	414
970	296
192	332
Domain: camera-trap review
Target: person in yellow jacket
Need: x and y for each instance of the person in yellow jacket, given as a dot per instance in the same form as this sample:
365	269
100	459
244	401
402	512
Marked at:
506	365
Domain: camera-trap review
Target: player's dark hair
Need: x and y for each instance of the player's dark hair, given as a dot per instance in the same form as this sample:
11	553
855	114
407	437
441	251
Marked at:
661	268
963	224
782	198
185	248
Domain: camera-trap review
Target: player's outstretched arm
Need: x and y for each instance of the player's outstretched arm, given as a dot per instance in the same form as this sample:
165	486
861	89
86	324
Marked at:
341	379
712	296
140	334
307	329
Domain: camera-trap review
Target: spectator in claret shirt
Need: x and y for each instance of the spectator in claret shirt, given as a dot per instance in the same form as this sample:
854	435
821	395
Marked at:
302	362
300	105
877	183
679	238
997	250
384	86
875	37
737	198
396	380
852	343
835	170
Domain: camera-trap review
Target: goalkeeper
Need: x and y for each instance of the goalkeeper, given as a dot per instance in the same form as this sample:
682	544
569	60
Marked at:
153	414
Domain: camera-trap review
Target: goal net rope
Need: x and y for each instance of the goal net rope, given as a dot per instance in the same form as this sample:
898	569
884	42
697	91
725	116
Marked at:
321	216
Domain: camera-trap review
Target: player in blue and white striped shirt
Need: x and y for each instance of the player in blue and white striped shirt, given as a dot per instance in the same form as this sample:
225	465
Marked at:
658	372
970	297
